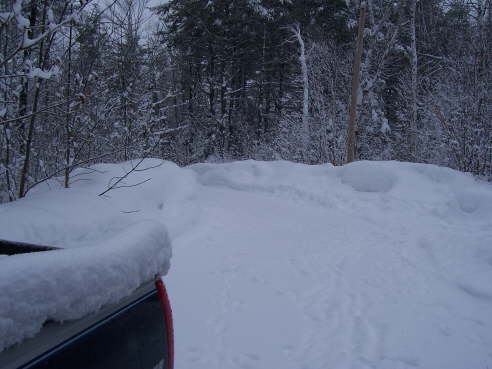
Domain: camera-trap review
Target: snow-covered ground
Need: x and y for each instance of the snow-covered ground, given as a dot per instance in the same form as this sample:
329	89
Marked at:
278	265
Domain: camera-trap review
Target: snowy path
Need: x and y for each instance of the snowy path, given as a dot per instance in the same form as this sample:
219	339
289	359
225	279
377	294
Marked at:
277	278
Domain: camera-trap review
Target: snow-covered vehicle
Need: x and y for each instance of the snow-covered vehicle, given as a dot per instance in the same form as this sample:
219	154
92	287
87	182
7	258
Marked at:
136	332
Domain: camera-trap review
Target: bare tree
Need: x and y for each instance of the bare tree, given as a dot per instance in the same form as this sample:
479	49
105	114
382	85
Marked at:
296	31
414	71
351	141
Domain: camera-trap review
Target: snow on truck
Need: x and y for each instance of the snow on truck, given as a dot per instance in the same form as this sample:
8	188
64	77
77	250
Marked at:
76	316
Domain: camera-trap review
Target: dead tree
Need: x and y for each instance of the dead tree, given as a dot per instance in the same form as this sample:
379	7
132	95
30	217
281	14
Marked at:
351	142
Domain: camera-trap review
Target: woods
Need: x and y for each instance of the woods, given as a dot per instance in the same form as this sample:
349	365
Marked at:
90	81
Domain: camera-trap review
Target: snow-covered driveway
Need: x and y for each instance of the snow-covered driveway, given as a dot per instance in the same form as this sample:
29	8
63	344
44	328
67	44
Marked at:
300	272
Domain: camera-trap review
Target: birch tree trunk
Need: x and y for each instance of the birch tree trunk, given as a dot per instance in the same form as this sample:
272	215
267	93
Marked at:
305	81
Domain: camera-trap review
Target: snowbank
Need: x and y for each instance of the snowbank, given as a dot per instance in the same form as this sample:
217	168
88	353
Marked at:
368	177
78	217
437	191
111	244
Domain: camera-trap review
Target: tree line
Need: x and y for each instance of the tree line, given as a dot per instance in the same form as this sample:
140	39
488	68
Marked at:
85	81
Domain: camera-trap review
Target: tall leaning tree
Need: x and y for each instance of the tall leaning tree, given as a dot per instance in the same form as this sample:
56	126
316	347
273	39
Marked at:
351	142
414	86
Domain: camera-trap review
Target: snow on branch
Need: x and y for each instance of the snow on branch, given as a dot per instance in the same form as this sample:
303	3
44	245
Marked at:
24	26
39	73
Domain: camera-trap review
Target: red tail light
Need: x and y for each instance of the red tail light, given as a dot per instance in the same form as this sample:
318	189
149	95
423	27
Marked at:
168	316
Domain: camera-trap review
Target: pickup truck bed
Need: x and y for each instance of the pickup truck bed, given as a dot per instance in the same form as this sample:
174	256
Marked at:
136	333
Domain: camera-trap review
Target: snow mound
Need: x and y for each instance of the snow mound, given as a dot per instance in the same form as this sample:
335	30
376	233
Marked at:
250	175
365	176
68	284
111	244
474	200
434	191
78	217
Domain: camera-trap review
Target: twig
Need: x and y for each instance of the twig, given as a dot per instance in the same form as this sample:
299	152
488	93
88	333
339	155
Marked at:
133	169
151	167
34	113
132	185
115	185
67	167
130	211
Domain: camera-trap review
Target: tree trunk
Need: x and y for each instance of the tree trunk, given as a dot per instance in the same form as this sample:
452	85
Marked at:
305	82
414	65
30	130
68	118
351	152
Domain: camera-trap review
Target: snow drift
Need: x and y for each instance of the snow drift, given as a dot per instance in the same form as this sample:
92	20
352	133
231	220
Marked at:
106	253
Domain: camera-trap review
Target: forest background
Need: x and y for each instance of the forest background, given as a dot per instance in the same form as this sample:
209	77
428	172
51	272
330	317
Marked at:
216	80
